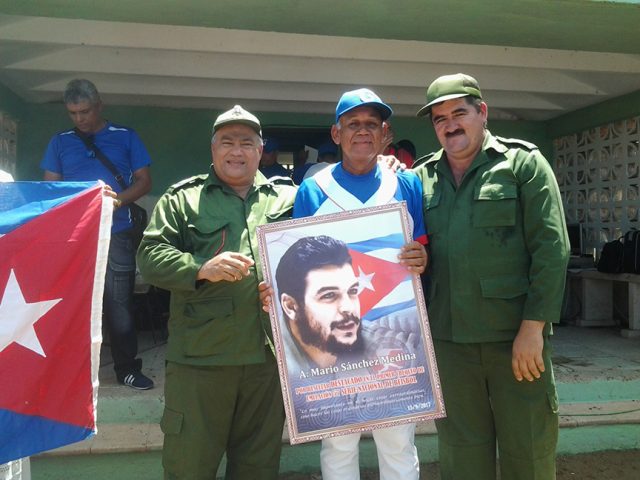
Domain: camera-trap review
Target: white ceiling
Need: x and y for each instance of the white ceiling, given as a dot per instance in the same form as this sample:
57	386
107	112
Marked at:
200	67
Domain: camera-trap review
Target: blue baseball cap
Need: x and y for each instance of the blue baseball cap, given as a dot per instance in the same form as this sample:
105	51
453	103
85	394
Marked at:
362	97
270	145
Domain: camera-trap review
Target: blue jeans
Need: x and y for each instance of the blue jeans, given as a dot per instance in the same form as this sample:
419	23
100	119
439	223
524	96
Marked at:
118	303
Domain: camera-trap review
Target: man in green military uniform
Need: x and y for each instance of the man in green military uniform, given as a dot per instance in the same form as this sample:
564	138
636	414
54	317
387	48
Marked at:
222	391
499	250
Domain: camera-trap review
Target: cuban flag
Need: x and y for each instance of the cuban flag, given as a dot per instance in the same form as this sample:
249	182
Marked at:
54	240
384	284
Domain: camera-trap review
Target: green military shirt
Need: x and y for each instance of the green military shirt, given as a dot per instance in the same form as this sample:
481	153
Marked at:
211	323
499	246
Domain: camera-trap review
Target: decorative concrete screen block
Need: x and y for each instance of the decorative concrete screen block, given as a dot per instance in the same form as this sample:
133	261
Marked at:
599	178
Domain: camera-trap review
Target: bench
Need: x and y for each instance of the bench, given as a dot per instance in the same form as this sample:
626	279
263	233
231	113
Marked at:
595	292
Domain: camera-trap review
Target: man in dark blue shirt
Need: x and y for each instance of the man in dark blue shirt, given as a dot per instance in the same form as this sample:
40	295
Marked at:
269	165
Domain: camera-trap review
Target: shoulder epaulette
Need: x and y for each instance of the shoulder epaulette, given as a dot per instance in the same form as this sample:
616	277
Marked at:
422	160
188	182
516	142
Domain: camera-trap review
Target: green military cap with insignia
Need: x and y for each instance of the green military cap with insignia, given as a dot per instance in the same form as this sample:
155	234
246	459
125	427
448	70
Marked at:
238	115
448	87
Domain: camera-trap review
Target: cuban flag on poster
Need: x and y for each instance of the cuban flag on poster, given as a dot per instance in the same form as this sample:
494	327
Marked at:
54	240
381	294
385	286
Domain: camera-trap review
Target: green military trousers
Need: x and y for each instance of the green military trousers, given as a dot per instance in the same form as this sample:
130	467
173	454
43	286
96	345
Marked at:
485	404
211	410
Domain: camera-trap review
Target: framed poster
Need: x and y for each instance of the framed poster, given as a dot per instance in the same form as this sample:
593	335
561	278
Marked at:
349	322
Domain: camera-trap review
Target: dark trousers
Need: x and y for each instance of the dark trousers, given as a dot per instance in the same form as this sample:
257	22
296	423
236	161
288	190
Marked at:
486	405
118	304
211	410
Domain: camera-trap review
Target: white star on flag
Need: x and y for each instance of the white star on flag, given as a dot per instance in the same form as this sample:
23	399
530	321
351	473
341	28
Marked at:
365	281
17	317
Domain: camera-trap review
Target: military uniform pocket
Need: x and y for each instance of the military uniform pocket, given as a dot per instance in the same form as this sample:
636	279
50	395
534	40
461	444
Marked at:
495	205
210	328
503	301
504	287
207	236
171	422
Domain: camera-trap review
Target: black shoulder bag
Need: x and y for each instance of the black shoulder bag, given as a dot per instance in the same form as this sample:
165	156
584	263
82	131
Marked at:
631	257
138	214
612	257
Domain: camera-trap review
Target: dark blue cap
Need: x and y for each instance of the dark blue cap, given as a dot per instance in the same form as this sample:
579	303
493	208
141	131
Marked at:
363	97
270	145
327	148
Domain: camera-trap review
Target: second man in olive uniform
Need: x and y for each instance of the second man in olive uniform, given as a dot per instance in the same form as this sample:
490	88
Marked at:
499	251
222	391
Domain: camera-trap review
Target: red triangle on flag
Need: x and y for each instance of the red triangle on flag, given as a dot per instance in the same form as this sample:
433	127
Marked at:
53	256
377	278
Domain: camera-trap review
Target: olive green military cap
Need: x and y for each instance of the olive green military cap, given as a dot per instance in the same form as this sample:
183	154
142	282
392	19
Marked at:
448	87
238	115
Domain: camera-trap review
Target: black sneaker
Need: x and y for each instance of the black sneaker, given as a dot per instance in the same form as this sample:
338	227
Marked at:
137	380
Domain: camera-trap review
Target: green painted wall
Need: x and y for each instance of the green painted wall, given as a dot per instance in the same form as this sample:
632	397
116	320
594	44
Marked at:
11	103
619	108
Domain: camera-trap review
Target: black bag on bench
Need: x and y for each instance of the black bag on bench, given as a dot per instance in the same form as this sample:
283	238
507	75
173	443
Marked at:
612	257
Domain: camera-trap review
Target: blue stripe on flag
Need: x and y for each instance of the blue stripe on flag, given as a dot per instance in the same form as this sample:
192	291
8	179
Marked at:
23	201
24	435
394	240
376	313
